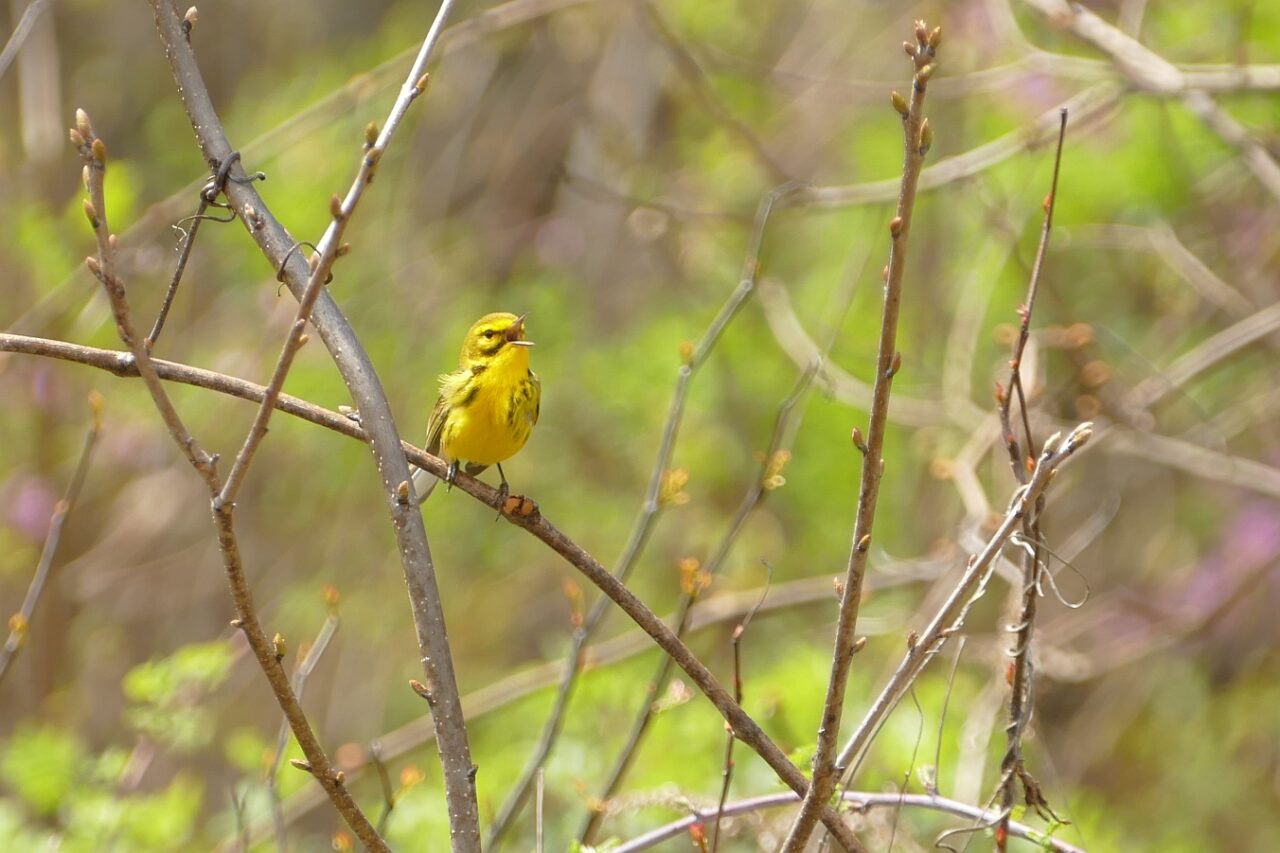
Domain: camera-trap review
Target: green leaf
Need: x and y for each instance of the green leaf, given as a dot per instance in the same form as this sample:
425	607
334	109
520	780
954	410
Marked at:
41	764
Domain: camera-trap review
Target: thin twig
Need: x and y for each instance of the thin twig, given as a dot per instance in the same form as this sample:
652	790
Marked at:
767	479
687	65
384	780
858	801
917	138
735	641
384	439
184	254
649	510
1023	627
328	250
301	673
950	616
20	33
20	622
94	154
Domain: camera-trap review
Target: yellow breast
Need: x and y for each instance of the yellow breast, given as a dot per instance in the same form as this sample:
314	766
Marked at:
492	415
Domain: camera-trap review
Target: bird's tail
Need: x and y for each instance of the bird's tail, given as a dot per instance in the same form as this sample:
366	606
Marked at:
423	483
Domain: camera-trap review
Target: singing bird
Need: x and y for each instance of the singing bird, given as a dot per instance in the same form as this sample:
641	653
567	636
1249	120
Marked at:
488	406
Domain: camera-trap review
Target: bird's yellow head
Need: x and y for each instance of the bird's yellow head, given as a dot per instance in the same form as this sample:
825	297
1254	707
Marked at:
497	336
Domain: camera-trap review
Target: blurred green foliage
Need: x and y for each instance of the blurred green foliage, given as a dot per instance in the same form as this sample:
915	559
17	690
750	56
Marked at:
564	166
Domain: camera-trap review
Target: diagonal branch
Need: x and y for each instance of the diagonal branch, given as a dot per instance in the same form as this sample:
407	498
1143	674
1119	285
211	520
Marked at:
950	616
93	152
917	138
649	510
1021	682
362	381
20	622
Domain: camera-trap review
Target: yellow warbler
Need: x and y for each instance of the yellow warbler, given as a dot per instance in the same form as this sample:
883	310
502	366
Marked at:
488	406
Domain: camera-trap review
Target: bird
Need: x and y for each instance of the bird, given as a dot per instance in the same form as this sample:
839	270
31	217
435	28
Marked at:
488	406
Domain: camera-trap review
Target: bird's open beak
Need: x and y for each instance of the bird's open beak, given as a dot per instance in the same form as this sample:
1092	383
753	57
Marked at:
515	334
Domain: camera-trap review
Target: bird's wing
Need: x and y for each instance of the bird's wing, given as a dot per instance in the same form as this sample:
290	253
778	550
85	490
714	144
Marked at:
435	426
537	394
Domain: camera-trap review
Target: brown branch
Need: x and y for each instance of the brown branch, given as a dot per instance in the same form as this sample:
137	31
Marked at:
745	728
768	478
94	154
649	510
512	688
917	137
1021	682
20	622
950	616
736	642
329	249
362	381
302	671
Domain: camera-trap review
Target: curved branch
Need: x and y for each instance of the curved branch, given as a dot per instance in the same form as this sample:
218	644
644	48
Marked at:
857	800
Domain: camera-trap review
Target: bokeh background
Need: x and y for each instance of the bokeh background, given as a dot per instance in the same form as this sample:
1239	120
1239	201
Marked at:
597	164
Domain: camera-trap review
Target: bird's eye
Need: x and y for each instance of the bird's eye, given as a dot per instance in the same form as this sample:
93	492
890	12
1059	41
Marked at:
489	333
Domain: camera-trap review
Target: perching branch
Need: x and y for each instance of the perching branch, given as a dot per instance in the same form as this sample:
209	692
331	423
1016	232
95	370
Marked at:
650	510
917	137
767	479
362	381
20	622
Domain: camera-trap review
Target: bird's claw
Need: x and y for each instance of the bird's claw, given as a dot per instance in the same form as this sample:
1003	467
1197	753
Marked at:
504	494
